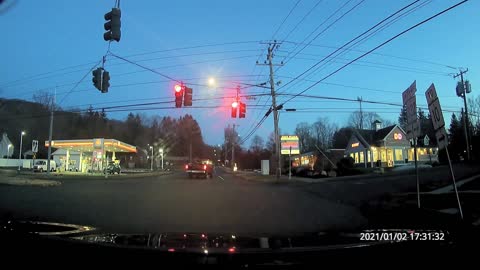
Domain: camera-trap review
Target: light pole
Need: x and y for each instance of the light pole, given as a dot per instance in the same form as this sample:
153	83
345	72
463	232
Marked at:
20	155
8	149
161	154
151	161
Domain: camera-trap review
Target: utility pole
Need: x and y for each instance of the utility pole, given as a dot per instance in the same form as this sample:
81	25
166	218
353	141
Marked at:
361	112
465	115
270	55
234	139
50	131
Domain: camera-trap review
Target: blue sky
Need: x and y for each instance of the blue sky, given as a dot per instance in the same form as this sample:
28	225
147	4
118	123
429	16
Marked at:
66	37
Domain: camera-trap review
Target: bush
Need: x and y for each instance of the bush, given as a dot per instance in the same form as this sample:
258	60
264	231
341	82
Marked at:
345	167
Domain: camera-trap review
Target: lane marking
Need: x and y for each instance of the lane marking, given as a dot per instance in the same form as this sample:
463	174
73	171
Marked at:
221	178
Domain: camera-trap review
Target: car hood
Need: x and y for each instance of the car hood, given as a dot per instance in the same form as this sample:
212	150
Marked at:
198	242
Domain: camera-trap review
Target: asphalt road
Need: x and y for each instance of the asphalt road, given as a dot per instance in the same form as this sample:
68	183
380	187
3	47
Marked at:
223	204
174	203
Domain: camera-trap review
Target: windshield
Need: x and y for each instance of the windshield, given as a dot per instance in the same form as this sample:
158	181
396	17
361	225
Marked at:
305	115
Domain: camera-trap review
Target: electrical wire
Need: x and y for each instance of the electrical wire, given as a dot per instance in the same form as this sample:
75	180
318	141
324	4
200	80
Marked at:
379	46
288	15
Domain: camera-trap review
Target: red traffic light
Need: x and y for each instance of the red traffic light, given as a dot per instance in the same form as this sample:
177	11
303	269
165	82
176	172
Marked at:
234	104
178	88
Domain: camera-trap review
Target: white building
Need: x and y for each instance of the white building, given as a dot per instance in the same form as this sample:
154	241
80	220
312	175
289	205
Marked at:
6	146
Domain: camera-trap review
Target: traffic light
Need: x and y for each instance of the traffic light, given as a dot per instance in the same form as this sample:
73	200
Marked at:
113	25
105	81
187	96
178	95
242	110
234	109
97	78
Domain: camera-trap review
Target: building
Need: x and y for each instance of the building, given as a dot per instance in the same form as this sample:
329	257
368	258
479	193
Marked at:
318	160
6	146
88	154
386	147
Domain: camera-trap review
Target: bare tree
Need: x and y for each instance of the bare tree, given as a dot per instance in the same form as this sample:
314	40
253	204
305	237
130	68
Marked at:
45	99
323	132
363	120
257	144
304	133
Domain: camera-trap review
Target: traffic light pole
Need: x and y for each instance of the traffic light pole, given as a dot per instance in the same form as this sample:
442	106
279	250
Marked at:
50	131
465	115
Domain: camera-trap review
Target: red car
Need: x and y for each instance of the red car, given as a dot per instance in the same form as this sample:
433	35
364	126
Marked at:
201	169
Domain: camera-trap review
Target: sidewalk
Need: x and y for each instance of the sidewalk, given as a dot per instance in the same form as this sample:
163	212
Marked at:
22	181
28	175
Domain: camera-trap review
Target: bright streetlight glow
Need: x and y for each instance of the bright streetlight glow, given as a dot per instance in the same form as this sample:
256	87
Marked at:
23	133
160	150
211	81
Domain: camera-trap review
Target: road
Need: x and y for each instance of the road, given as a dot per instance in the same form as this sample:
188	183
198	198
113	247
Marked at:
225	203
174	203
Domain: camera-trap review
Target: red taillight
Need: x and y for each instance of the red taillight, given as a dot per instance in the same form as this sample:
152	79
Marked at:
186	167
231	250
171	250
204	167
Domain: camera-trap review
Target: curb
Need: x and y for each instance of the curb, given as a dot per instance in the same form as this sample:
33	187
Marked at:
30	182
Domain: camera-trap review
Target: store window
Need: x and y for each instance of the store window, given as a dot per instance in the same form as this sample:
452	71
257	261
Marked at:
375	154
383	154
398	154
368	156
362	158
356	157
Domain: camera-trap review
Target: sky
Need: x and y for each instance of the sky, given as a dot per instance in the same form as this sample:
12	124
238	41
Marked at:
51	46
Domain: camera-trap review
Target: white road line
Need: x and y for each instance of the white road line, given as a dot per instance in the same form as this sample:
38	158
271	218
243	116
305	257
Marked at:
221	178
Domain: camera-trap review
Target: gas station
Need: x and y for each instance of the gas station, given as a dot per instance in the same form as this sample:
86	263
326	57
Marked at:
90	154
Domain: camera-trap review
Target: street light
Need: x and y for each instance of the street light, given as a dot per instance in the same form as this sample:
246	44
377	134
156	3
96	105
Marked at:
151	161
8	149
161	154
211	82
20	155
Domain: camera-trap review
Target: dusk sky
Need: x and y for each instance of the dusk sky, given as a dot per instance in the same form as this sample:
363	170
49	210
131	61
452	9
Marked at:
54	44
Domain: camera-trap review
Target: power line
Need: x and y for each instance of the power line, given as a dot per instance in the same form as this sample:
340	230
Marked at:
328	27
379	46
303	18
368	36
349	42
288	15
73	88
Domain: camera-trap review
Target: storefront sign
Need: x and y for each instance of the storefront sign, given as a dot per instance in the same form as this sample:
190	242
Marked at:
397	136
289	145
355	144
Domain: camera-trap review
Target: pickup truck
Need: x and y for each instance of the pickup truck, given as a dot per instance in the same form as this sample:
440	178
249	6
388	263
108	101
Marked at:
204	170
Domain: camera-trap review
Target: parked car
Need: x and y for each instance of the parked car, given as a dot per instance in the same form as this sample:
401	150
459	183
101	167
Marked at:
41	166
113	168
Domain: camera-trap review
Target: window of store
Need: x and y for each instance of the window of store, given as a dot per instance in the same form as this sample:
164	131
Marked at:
362	158
398	154
389	154
356	157
383	154
368	156
375	154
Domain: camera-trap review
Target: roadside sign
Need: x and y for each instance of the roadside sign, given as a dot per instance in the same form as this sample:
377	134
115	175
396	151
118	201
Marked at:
442	138
289	145
410	104
434	108
34	146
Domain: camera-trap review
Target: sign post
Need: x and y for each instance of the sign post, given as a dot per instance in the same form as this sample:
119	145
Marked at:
290	164
440	133
410	103
34	150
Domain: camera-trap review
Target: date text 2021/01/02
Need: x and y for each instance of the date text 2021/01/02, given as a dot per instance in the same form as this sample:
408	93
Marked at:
402	236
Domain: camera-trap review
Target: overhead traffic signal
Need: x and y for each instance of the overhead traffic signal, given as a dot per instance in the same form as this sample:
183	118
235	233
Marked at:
178	95
234	109
242	110
97	78
112	26
105	81
187	96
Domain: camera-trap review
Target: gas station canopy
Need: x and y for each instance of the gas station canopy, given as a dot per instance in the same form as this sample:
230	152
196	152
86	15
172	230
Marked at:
91	145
